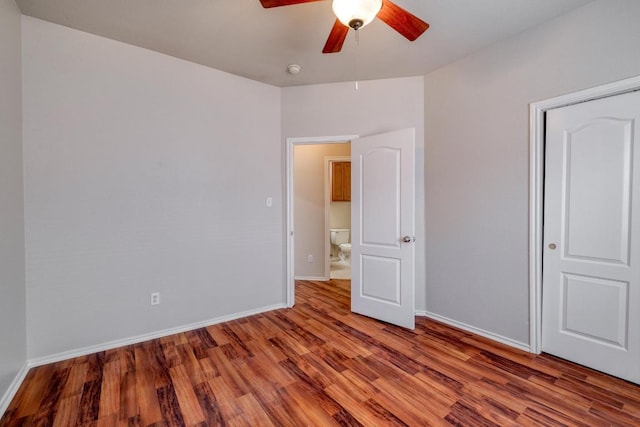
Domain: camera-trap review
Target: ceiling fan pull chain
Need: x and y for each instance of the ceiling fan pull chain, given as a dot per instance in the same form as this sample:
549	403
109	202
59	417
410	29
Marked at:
355	71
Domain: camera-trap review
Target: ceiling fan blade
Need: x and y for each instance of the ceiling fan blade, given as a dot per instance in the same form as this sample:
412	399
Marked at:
336	38
407	24
276	3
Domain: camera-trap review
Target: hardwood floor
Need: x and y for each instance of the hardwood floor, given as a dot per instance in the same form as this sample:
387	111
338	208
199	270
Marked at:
319	365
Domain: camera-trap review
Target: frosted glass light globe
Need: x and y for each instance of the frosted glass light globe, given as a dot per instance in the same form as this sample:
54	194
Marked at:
356	13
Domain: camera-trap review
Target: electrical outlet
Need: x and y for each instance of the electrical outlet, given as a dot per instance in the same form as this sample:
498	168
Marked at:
310	258
155	298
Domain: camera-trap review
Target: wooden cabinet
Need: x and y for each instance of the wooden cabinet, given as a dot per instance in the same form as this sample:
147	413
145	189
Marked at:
341	181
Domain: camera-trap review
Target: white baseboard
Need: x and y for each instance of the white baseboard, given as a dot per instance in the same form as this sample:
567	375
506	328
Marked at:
316	278
492	336
38	361
13	388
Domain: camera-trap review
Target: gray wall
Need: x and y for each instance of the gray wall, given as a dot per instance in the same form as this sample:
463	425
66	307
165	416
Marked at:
309	209
143	173
12	283
378	106
477	154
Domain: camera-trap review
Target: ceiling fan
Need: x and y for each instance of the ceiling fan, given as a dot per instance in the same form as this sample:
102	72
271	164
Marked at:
358	13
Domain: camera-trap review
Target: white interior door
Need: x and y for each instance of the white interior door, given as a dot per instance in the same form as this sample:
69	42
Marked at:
591	271
383	227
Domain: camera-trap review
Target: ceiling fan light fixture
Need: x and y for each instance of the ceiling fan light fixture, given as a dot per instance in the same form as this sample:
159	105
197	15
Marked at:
356	13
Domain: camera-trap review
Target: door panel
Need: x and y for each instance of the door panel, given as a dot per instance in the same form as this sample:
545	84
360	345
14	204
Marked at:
597	189
607	324
591	271
381	279
380	171
382	209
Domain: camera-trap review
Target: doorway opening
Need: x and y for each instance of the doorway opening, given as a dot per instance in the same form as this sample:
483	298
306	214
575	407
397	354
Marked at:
337	184
309	207
382	225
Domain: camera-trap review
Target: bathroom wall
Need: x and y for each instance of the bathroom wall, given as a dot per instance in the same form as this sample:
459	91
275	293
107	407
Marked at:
309	206
340	215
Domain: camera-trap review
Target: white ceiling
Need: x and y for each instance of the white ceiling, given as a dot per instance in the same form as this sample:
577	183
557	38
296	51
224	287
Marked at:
243	38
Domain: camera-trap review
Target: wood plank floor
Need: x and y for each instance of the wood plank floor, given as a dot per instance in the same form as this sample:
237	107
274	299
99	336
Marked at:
319	365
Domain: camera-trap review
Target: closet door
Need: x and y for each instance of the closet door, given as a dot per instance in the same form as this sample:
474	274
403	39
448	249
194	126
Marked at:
591	260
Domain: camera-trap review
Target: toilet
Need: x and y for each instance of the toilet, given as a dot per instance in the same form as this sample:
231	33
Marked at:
340	242
345	252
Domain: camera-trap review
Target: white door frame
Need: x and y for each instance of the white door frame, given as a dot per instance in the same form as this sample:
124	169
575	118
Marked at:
289	231
327	208
537	112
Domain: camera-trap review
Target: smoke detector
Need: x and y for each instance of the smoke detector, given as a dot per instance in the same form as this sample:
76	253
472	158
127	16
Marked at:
293	68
